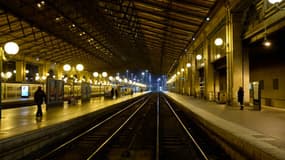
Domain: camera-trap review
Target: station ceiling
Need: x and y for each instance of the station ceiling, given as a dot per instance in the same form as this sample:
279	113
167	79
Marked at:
110	35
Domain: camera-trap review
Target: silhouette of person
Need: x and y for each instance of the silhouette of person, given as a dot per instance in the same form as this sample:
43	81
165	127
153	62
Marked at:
240	97
112	93
39	97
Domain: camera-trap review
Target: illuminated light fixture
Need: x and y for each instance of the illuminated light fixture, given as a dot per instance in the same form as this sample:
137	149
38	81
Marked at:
218	56
66	67
11	48
182	69
276	4
178	73
219	41
188	65
9	74
79	67
41	4
14	71
95	74
90	40
274	1
27	71
193	38
104	74
208	19
266	43
199	57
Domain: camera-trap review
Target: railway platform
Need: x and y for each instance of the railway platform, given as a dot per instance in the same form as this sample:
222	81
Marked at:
20	125
16	121
259	134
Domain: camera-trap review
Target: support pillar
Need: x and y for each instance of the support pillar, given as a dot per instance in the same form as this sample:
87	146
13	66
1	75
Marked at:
209	73
20	71
237	61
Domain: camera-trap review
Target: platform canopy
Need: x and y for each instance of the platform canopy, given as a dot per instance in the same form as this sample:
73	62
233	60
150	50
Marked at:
112	35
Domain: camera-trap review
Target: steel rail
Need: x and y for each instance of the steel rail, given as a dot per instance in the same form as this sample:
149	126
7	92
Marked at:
88	131
119	129
157	129
186	130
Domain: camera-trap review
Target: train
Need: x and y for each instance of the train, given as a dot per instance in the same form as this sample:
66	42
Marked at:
14	91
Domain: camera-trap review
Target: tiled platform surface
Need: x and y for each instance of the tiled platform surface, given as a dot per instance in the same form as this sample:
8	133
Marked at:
16	121
257	132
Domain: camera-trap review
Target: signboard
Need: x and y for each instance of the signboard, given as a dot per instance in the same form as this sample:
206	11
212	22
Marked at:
85	91
255	91
55	92
24	91
255	94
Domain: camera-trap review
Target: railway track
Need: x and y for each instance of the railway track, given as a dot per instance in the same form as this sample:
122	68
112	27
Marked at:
149	129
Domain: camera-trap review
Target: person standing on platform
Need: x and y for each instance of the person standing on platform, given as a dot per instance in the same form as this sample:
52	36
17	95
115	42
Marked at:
116	93
39	98
112	93
240	97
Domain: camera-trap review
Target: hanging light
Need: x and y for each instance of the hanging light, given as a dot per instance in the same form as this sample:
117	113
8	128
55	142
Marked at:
11	48
218	41
66	67
104	74
95	74
199	57
188	65
79	67
274	1
266	42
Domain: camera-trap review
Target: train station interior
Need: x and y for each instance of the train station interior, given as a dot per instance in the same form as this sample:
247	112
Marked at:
91	57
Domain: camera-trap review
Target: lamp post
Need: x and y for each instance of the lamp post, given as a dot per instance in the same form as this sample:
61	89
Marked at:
11	48
67	68
96	75
99	79
104	75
